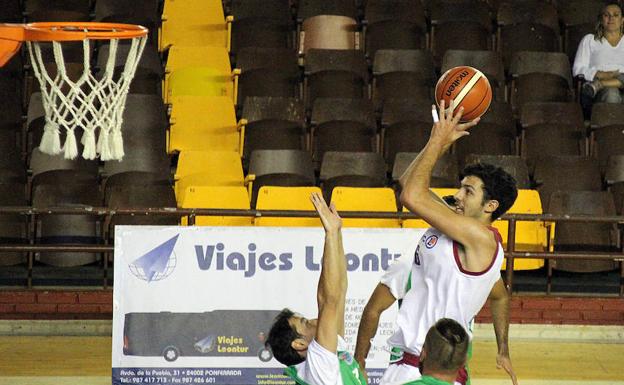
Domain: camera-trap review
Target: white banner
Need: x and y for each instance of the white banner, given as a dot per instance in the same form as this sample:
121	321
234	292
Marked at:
194	304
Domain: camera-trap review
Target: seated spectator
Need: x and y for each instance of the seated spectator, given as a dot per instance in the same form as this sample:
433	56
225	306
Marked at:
600	58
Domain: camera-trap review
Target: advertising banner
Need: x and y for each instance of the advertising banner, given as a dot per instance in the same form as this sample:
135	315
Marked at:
193	305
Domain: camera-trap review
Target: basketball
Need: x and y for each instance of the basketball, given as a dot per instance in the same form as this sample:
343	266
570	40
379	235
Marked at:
468	87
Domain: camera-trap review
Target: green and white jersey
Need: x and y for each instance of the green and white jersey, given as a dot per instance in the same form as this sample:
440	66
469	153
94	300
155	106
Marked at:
323	367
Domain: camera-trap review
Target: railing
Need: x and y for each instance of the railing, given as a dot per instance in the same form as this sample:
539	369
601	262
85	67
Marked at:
191	214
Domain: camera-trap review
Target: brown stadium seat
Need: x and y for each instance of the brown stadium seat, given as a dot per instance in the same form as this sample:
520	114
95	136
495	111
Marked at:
311	8
405	127
143	12
66	228
331	73
528	25
149	73
512	164
445	173
351	169
339	124
578	18
273	123
57	10
460	25
279	168
583	236
607	124
488	62
569	173
617	189
328	32
402	74
11	11
551	129
267	72
47	169
496	134
261	23
13	228
614	170
540	77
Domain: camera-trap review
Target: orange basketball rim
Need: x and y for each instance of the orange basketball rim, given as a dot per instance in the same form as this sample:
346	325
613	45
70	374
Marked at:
13	35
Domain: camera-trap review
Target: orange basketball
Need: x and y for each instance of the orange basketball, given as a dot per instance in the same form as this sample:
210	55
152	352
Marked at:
468	87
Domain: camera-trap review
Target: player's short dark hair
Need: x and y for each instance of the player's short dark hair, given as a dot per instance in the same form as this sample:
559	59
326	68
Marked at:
446	346
498	185
280	339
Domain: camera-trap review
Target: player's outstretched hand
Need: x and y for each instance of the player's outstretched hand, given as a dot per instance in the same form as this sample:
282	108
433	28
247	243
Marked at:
504	361
448	129
329	216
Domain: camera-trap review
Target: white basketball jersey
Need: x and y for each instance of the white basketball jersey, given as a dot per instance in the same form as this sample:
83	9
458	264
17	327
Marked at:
441	288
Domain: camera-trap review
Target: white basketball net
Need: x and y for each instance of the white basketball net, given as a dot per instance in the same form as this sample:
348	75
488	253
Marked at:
88	103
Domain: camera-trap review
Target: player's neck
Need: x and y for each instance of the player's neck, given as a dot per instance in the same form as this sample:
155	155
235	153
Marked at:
443	376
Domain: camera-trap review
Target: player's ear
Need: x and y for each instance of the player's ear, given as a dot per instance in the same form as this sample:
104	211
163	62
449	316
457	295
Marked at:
299	344
491	206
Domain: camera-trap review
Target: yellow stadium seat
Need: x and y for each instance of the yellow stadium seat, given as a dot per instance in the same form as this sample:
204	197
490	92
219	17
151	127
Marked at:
379	199
215	58
195	23
199	81
207	168
217	197
205	123
530	236
286	198
419	223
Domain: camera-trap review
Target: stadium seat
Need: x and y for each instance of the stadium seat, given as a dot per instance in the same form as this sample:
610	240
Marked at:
551	129
377	199
11	11
310	8
339	124
56	10
149	73
143	12
607	124
273	123
548	175
260	23
286	198
530	25
208	168
497	134
394	25
267	72
617	189
132	196
279	168
216	197
67	228
445	173
512	164
578	18
540	77
328	32
530	235
402	74
583	236
204	123
405	127
13	228
488	62
351	169
614	170
202	71
331	73
195	23
460	25
10	98
394	35
50	169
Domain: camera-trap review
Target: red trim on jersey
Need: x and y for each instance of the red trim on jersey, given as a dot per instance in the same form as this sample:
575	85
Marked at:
497	238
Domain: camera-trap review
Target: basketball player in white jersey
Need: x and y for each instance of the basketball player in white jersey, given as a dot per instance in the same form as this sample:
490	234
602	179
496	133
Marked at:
457	261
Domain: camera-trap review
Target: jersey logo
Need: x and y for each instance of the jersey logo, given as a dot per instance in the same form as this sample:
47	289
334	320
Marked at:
431	241
346	357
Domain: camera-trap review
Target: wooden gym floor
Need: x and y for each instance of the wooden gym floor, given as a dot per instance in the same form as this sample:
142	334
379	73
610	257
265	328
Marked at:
538	359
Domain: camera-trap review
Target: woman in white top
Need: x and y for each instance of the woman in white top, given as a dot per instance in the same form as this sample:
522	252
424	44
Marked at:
600	57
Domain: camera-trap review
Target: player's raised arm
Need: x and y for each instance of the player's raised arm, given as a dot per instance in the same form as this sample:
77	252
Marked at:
332	286
416	180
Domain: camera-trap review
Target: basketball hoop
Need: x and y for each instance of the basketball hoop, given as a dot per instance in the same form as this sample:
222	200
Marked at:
90	102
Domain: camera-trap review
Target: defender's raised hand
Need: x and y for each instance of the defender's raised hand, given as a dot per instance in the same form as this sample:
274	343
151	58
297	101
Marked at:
329	216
